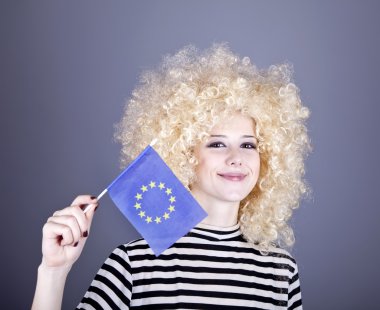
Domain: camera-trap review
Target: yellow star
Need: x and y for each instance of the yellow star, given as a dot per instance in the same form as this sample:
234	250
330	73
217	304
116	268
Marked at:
172	199
148	219
144	188
171	209
166	216
157	220
142	214
162	185
168	191
152	184
138	196
137	205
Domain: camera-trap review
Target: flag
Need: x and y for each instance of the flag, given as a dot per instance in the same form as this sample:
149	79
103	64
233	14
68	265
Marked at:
156	203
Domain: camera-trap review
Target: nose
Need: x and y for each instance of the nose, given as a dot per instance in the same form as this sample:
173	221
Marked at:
234	158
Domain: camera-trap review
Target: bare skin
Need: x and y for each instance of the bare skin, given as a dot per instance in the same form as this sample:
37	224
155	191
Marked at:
228	169
64	236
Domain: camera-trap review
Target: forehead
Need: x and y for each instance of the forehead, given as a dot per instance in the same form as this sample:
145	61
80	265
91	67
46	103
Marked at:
235	123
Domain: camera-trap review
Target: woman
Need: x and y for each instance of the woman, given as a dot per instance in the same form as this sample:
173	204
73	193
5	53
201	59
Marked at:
236	137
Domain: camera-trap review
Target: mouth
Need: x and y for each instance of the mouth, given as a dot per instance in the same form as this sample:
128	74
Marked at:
235	177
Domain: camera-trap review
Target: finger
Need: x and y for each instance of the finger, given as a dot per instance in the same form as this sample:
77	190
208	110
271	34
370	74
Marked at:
68	222
76	209
87	203
84	199
86	207
61	234
90	213
83	220
76	213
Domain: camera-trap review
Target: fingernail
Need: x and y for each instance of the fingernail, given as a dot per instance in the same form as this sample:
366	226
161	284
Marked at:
85	234
93	197
83	206
75	244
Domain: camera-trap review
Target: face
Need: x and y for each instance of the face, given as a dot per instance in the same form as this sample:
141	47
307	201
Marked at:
229	162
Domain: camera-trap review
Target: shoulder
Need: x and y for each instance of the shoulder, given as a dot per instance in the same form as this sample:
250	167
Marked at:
134	247
283	257
281	253
123	256
273	253
276	258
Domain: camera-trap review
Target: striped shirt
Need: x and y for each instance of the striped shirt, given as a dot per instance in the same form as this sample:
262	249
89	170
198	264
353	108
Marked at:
209	268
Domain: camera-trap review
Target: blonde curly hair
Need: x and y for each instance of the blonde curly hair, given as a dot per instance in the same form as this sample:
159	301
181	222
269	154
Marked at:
191	92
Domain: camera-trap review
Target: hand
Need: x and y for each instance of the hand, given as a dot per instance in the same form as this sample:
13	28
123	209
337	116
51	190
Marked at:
65	233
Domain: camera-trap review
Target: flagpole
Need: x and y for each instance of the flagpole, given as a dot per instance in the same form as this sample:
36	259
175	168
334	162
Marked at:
106	189
97	198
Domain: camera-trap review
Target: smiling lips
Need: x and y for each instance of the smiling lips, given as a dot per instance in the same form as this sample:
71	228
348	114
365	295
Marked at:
236	177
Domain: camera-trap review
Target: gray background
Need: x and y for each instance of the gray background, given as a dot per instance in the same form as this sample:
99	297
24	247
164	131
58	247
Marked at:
67	67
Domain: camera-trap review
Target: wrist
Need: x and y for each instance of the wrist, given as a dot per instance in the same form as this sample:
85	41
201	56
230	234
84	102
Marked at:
53	272
50	286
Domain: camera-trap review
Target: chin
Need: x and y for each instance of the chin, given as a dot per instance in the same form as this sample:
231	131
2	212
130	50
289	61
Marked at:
234	197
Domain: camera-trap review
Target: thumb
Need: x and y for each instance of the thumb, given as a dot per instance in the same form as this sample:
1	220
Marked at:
89	211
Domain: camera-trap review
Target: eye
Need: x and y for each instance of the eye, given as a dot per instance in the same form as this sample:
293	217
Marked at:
248	145
216	145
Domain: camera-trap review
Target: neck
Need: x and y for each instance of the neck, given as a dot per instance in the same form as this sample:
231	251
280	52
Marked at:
220	213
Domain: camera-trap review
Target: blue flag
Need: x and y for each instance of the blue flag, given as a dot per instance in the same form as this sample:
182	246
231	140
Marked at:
156	203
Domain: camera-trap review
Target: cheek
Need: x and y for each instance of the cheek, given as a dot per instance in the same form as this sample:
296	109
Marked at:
254	161
258	162
205	170
200	169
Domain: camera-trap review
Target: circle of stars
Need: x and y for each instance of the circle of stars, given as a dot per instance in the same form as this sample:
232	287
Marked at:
168	211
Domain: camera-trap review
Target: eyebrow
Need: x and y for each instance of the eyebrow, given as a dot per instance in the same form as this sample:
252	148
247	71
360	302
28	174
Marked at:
224	136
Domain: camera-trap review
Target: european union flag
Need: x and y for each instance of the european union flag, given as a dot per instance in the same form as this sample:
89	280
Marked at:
156	203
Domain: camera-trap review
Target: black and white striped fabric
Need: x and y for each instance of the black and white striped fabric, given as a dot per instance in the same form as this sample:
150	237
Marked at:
209	268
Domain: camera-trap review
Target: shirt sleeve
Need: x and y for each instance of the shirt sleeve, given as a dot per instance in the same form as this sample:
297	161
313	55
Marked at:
294	291
112	285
